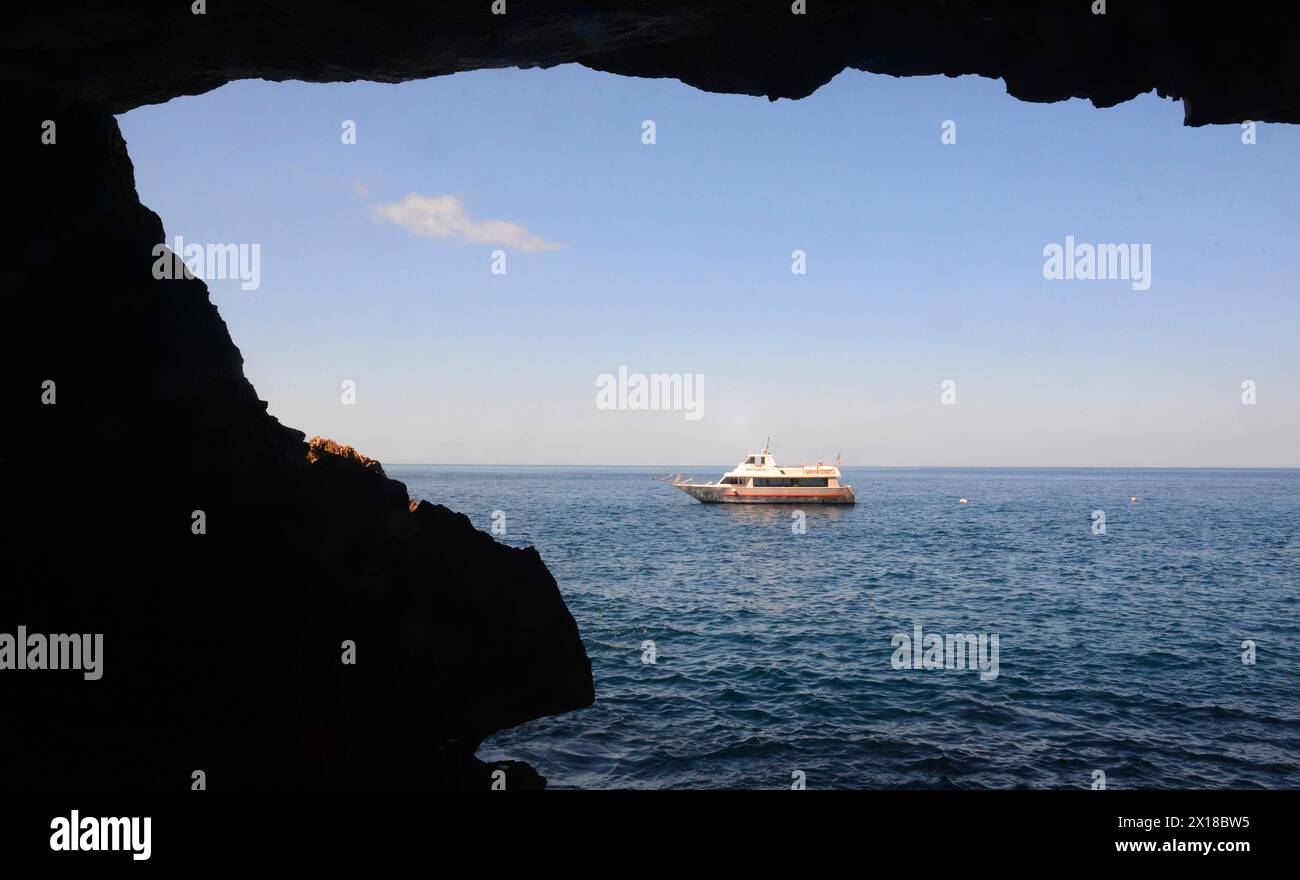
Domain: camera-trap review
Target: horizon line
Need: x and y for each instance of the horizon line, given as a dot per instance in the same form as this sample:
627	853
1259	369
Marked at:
882	467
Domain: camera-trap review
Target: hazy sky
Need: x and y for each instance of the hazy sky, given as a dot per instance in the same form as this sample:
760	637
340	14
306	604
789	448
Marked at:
924	264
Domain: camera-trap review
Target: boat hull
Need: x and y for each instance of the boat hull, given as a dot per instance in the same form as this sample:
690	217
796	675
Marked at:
715	494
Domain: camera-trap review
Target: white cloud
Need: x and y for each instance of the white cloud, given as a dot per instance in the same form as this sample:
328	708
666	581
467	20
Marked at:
446	217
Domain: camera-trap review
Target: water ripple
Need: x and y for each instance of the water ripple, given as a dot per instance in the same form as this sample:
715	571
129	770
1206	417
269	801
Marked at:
1118	652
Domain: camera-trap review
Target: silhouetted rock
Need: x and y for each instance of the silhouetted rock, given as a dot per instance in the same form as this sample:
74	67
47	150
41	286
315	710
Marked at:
223	651
1227	63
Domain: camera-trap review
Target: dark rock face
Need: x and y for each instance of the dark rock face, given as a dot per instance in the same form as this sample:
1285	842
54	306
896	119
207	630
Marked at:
223	651
1227	64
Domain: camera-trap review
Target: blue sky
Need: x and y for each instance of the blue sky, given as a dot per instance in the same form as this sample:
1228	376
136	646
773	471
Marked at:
924	264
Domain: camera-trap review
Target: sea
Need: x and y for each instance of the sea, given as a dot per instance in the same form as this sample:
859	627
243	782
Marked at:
1147	627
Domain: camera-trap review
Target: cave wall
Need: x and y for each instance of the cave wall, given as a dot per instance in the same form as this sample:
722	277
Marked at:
1227	64
222	650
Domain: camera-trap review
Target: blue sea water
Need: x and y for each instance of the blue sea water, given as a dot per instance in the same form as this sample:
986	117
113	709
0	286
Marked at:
1119	652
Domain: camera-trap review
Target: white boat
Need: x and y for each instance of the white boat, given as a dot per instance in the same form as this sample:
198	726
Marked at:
758	479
